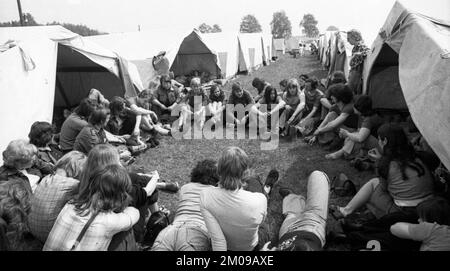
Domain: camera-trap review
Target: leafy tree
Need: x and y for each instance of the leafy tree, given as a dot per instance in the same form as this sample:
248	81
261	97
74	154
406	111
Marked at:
204	28
281	26
80	29
332	28
250	24
28	20
216	28
309	25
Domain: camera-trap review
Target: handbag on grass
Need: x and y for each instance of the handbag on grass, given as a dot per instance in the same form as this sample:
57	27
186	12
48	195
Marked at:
83	231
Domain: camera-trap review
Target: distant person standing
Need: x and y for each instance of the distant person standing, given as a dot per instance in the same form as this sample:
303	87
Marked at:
359	54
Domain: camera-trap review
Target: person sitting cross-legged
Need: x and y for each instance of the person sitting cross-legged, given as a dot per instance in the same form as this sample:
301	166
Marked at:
194	106
303	228
239	99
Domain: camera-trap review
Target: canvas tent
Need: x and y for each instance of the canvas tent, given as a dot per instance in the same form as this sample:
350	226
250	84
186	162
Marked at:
292	43
250	51
279	48
409	69
340	53
141	47
225	44
46	67
267	44
195	53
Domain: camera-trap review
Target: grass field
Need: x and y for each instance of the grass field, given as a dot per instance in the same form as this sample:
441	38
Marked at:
295	160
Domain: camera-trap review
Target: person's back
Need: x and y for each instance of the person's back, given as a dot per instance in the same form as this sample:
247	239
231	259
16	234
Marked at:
189	203
47	201
414	189
239	214
70	130
97	237
88	138
434	237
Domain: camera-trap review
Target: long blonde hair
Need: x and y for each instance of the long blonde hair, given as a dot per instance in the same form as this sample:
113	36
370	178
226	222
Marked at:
99	157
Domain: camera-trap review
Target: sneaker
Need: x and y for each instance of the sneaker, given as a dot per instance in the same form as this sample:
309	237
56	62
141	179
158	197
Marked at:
284	192
271	179
170	187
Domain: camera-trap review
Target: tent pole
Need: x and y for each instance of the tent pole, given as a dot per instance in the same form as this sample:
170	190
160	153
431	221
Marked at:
19	6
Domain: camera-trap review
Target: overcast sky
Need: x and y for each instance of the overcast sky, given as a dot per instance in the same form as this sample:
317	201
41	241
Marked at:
123	16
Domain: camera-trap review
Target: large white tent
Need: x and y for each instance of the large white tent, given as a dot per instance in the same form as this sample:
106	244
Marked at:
141	47
250	51
409	69
278	47
46	67
225	44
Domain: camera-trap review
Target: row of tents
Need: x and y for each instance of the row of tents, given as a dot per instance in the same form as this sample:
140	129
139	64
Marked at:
407	70
44	69
223	54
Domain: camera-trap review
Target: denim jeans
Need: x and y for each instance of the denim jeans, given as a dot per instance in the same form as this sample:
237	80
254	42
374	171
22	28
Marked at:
308	214
183	236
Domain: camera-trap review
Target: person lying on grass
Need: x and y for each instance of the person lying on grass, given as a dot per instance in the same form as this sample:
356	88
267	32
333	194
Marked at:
304	225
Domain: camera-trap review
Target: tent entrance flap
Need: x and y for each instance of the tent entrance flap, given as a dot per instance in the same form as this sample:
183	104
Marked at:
77	75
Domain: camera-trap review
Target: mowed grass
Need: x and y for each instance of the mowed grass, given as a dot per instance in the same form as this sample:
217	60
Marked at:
295	160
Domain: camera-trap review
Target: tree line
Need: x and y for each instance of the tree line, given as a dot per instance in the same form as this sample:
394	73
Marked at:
80	29
280	25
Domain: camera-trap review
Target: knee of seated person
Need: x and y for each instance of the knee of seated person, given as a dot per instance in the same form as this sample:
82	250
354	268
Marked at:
374	182
317	174
153	197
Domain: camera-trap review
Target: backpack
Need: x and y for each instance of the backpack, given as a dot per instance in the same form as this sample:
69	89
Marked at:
156	223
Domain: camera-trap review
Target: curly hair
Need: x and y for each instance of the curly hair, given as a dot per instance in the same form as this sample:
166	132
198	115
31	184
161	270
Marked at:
213	96
41	133
14	207
341	92
205	172
19	154
355	34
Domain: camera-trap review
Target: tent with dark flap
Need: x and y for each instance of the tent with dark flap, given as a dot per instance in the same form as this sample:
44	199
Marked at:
408	69
46	68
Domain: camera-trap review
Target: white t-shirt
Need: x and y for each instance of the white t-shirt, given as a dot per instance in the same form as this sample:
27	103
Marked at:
233	217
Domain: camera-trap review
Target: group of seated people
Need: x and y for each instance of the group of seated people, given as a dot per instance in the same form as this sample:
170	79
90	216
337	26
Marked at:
75	193
45	201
